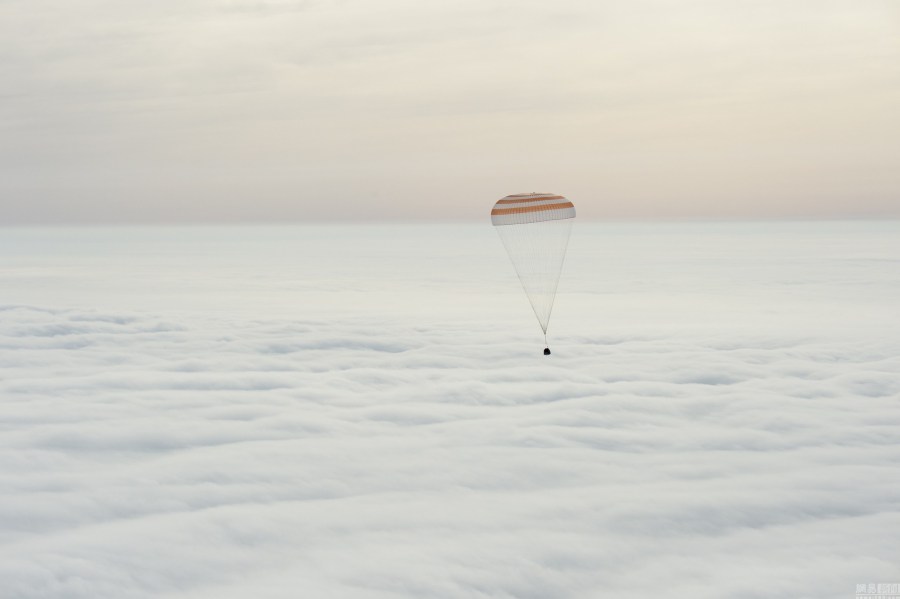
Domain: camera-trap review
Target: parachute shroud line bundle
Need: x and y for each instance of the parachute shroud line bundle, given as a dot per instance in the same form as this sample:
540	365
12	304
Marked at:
535	228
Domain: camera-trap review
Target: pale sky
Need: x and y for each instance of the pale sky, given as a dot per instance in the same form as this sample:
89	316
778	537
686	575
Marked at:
283	110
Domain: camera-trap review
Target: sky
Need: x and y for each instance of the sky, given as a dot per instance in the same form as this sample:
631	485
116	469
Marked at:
719	418
279	110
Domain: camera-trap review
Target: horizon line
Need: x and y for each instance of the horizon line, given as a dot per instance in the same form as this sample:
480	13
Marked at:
431	221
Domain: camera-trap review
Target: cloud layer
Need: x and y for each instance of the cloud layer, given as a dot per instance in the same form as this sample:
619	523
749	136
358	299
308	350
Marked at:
361	453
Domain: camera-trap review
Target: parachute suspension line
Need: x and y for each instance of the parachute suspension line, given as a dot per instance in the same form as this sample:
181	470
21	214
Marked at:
537	251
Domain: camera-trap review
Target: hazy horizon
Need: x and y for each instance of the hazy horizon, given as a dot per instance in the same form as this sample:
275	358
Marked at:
278	110
425	222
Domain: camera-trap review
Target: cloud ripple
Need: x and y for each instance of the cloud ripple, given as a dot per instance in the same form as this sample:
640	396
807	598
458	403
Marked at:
144	456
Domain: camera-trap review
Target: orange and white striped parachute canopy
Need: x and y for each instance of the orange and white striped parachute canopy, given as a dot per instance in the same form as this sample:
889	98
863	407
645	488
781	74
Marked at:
523	208
534	228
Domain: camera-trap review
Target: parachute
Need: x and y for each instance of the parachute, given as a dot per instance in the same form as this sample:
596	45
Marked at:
535	228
